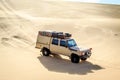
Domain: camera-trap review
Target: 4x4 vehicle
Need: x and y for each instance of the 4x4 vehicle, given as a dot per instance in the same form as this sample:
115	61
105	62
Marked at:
61	43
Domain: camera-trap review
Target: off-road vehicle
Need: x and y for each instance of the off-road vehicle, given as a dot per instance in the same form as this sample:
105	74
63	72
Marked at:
52	42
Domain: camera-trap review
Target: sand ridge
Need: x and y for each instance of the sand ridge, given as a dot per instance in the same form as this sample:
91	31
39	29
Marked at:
92	25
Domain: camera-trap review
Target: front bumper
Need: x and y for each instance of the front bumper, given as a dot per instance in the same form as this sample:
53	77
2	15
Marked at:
86	54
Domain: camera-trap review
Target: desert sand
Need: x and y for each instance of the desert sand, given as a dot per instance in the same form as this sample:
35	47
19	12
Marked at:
92	25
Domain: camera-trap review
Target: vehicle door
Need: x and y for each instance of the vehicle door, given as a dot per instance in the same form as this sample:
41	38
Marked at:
63	49
54	46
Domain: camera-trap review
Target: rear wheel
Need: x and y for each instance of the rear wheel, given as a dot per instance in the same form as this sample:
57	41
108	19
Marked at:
75	58
45	52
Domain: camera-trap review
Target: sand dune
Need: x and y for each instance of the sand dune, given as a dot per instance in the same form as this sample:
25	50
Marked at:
92	25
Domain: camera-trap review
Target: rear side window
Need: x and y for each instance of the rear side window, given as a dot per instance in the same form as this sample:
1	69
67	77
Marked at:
55	41
63	43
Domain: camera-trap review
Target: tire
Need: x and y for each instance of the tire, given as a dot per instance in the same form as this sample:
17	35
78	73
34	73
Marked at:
83	58
75	58
45	52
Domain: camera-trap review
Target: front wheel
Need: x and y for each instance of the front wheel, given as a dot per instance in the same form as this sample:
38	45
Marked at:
45	52
75	58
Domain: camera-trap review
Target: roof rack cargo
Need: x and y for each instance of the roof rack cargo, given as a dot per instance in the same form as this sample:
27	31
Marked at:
55	34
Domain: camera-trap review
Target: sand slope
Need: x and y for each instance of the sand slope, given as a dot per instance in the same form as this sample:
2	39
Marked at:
92	25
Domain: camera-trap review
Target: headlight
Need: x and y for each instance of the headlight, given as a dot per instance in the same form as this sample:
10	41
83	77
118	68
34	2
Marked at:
88	54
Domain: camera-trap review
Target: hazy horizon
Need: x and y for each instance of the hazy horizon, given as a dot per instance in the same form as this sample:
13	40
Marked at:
117	2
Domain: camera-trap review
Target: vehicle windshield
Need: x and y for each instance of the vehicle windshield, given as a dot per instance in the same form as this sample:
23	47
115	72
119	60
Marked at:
71	43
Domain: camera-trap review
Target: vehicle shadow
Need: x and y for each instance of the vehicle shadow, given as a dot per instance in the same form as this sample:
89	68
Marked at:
65	66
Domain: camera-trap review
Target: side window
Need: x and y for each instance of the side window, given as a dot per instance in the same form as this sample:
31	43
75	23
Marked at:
55	41
63	43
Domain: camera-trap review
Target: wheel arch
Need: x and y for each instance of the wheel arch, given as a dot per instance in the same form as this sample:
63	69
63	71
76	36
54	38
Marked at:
73	54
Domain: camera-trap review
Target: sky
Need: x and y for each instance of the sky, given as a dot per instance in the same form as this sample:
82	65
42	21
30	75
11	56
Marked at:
99	1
